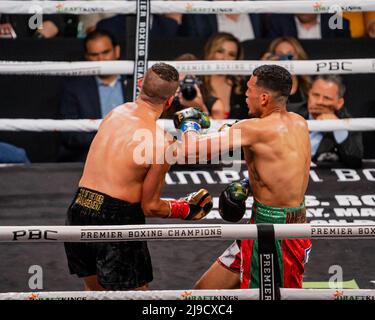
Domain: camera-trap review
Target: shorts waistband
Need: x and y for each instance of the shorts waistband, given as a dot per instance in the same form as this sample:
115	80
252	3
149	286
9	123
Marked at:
93	199
267	214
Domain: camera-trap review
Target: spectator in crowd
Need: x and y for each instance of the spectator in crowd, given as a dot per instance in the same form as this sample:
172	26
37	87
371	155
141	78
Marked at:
189	95
244	26
288	48
326	102
370	24
111	22
361	23
306	26
228	88
24	26
12	154
92	97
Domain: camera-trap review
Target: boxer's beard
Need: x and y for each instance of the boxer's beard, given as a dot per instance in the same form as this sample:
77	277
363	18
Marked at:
251	114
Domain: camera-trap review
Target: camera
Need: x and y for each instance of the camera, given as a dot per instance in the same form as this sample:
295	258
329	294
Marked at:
285	57
187	87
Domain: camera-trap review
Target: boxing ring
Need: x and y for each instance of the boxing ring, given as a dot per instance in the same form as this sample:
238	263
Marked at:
55	234
185	232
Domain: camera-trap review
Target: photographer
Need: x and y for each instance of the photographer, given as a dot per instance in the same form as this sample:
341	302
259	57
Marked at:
189	95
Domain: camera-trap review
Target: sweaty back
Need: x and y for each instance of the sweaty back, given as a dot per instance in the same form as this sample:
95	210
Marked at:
111	166
279	160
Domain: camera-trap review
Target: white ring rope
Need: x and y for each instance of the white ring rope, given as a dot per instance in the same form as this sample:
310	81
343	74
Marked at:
88	125
181	232
62	68
194	231
190	7
198	67
41	125
194	295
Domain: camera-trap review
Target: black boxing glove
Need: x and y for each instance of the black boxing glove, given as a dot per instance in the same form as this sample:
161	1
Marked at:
232	201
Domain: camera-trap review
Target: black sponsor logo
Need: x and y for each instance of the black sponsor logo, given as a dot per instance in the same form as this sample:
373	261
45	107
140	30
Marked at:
334	66
368	230
328	231
267	269
34	234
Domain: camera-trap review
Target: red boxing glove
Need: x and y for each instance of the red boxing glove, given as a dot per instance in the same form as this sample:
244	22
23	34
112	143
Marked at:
179	209
193	207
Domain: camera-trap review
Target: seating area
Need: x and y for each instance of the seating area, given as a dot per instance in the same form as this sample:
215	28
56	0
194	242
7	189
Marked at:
33	97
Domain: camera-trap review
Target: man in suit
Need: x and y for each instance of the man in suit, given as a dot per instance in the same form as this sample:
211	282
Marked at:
326	101
92	97
243	26
306	26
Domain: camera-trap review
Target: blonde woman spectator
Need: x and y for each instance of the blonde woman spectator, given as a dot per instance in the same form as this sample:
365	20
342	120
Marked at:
228	88
288	48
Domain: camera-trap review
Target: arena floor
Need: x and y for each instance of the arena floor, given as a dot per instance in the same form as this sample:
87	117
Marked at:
39	194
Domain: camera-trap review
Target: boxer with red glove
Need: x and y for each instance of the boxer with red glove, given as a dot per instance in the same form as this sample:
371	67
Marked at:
194	206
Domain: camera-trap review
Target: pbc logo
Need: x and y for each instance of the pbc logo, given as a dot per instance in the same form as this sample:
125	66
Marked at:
33	234
334	66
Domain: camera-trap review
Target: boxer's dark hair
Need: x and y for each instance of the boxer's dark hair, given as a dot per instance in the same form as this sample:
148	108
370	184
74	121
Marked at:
160	83
274	78
165	71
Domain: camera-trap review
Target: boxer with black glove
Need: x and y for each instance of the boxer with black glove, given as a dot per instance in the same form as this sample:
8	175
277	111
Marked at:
232	201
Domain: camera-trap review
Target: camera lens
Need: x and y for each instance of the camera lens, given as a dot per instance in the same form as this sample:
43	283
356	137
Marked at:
286	57
187	88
